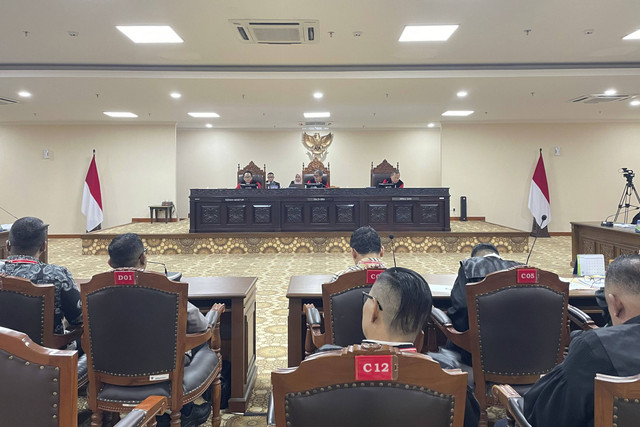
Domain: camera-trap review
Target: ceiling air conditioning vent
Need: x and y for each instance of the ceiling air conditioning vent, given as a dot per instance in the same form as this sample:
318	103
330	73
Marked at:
7	101
600	98
276	31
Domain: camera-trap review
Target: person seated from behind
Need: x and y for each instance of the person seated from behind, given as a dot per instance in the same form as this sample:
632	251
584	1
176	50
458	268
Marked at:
565	396
394	312
27	241
271	183
318	179
485	259
127	251
394	179
366	251
248	179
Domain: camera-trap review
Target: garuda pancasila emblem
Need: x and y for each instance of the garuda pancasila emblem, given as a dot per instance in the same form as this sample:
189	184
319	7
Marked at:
317	145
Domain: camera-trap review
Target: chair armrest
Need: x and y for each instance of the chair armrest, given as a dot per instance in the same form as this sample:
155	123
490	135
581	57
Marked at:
62	340
271	411
144	412
510	399
315	338
215	313
211	333
442	321
580	318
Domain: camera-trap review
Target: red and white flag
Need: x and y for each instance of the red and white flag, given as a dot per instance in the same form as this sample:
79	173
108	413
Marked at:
91	197
539	195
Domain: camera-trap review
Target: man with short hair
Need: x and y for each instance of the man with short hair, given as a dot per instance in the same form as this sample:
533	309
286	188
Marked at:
271	183
394	313
318	179
485	259
366	251
564	396
394	179
248	181
127	250
27	241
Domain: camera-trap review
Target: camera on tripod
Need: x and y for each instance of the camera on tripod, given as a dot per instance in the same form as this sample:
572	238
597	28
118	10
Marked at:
627	173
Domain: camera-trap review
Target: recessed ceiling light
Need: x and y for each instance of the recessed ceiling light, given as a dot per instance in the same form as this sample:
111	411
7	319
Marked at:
635	103
610	92
462	93
175	95
150	33
318	95
320	115
120	114
24	94
459	113
208	125
201	115
427	33
431	125
633	36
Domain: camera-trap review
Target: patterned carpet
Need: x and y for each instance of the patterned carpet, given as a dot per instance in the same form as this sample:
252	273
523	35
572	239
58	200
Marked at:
273	272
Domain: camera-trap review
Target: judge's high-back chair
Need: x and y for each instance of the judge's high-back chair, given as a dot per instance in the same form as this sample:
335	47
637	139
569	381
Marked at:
342	305
136	341
381	172
39	386
307	172
28	308
259	175
368	385
517	329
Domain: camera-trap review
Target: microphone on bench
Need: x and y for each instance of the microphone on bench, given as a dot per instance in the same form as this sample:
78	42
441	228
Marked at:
543	217
175	276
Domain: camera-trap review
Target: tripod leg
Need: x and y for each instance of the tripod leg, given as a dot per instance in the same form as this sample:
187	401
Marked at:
625	195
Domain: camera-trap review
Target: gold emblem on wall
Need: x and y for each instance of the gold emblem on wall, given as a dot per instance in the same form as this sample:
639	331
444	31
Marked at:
317	145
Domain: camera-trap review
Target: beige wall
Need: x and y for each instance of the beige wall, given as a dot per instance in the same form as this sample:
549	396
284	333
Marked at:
201	152
136	165
493	164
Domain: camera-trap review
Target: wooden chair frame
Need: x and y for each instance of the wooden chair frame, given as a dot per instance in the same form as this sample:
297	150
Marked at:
184	342
609	388
331	368
470	339
314	165
384	168
255	170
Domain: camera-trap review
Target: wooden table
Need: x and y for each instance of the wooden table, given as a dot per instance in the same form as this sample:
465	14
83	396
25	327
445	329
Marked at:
308	289
168	212
237	327
592	238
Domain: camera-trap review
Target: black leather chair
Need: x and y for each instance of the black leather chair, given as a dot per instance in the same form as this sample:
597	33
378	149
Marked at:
28	308
39	386
518	329
136	341
324	391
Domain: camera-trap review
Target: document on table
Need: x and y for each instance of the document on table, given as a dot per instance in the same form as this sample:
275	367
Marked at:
441	289
584	282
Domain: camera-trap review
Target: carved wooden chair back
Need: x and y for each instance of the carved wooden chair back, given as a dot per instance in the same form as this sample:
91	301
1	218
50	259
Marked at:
382	171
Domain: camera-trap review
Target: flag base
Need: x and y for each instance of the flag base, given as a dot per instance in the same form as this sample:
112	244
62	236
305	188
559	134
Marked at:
536	231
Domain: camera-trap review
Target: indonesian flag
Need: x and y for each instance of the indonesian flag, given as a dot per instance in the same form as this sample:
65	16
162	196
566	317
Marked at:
91	197
539	195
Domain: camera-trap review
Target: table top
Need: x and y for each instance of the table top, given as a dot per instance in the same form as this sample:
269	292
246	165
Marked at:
218	287
311	286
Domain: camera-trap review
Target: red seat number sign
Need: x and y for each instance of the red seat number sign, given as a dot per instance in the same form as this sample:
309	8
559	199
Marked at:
375	368
527	275
124	277
372	276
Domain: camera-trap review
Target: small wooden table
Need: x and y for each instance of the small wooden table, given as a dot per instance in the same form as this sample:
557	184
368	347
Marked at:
168	212
308	289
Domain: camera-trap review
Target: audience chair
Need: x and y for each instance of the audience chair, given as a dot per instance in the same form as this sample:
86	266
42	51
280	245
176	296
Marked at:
28	308
381	172
39	386
307	172
259	175
517	329
327	389
513	402
617	401
581	319
342	305
136	341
